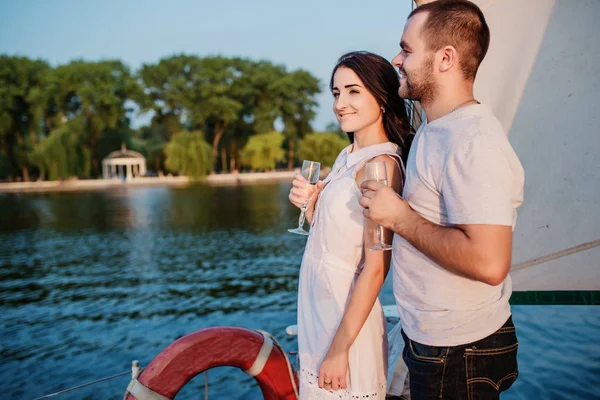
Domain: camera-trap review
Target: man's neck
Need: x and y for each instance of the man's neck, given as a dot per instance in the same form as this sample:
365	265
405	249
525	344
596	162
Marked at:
448	100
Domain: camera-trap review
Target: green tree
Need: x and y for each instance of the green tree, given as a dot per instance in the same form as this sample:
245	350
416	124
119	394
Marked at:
233	142
321	147
197	90
259	96
263	151
297	105
151	142
167	85
231	99
189	154
96	94
214	102
21	87
62	154
4	165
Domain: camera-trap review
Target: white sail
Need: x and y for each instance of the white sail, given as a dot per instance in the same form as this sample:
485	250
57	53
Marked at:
542	78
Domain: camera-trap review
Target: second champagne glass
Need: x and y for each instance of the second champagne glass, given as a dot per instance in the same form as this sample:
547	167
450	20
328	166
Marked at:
310	170
375	171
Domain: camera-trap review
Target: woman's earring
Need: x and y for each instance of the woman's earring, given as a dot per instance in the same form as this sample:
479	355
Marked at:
383	109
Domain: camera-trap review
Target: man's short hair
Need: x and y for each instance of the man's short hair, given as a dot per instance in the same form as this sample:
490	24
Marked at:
458	23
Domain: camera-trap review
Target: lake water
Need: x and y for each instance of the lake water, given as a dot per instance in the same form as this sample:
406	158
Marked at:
92	280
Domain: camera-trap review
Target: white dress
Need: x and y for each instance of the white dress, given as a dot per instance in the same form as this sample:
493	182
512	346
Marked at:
333	259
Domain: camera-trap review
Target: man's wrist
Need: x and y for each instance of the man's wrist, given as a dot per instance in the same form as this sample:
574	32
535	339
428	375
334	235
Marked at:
397	225
401	222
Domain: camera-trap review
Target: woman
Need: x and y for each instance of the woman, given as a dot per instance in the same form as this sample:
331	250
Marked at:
342	340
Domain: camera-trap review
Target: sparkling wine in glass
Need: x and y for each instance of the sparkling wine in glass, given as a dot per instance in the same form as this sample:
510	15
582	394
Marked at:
375	171
310	170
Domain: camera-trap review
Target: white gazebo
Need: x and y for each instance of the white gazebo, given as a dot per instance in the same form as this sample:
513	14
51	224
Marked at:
123	163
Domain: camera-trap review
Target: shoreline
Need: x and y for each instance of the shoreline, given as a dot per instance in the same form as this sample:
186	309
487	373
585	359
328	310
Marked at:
164	181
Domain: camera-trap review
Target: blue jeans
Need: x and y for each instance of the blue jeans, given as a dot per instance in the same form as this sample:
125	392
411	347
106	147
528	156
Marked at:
478	370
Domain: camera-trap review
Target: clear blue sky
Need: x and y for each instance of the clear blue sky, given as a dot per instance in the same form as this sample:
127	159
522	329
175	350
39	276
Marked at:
307	34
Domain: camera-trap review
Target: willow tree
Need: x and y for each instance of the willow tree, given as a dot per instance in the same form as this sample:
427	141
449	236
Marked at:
62	154
263	151
189	154
321	147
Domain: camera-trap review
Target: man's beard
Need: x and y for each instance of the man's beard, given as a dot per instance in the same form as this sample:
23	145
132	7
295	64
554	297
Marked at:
420	86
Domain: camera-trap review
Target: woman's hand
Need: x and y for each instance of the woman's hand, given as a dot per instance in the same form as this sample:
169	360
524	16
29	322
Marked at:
334	369
303	193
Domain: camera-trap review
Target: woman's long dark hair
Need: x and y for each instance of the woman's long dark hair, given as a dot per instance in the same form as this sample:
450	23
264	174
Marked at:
381	80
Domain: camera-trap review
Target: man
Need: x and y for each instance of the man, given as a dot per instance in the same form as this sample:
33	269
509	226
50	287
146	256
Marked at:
453	224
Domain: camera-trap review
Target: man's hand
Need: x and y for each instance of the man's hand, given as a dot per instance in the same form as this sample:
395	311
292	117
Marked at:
383	205
333	370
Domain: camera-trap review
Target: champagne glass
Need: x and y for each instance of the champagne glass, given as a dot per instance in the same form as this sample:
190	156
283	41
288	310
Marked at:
375	171
310	170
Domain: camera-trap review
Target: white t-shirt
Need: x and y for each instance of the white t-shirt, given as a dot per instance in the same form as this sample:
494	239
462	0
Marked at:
461	169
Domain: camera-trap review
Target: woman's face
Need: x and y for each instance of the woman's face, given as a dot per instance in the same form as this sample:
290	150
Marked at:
354	106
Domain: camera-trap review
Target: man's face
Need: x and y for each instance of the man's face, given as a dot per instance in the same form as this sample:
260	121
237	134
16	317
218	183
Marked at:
415	63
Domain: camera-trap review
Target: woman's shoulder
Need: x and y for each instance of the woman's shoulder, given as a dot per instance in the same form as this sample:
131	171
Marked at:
386	150
392	161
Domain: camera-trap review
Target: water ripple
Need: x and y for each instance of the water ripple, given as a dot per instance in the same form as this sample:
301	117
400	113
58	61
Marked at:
90	281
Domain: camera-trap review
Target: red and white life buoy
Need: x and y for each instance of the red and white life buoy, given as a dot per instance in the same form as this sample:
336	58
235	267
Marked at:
252	351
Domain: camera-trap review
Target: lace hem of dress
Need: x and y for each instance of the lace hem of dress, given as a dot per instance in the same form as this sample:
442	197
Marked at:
309	384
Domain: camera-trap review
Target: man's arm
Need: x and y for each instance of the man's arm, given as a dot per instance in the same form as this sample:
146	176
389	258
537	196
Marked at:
479	189
479	252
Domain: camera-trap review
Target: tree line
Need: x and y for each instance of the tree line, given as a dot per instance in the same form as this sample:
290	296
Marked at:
209	114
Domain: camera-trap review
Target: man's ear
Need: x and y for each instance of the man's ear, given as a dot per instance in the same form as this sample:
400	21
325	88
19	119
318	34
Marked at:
449	58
